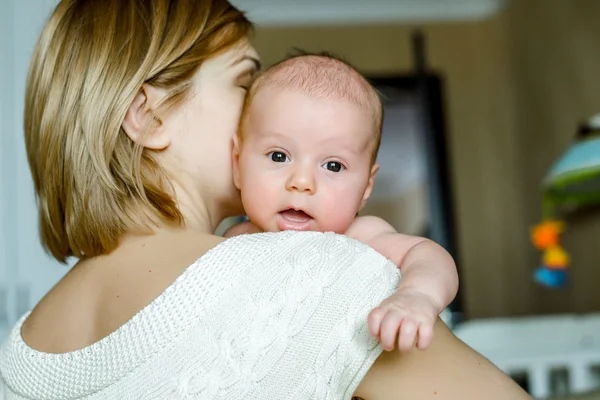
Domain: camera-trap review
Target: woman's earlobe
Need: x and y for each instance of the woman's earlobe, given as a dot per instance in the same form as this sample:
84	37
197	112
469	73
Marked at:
141	124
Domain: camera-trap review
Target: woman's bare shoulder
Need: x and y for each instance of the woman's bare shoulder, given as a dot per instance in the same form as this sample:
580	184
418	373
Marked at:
99	295
449	369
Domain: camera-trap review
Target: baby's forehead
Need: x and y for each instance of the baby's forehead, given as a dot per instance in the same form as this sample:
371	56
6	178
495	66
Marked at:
336	122
274	95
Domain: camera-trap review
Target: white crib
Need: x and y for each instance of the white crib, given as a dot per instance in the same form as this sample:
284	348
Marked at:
557	354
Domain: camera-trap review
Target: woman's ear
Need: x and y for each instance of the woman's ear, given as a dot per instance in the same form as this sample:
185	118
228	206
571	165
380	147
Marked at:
141	124
235	158
370	184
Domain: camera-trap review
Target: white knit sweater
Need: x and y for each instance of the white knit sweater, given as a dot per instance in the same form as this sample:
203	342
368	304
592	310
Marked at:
264	316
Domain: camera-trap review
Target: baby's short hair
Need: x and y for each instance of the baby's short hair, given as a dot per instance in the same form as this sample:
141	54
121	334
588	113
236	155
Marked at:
323	75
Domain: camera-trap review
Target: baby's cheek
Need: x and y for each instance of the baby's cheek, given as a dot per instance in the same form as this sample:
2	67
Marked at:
338	219
249	201
257	203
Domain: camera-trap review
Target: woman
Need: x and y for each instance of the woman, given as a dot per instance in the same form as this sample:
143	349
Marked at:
130	111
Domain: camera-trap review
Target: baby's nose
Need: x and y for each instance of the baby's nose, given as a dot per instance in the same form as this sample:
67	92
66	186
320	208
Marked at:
302	180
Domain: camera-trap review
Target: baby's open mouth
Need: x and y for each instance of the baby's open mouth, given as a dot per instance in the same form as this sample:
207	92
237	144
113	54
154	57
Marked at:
295	215
294	220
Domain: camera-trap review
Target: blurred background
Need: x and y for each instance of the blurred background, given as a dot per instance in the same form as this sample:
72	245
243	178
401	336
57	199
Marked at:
482	99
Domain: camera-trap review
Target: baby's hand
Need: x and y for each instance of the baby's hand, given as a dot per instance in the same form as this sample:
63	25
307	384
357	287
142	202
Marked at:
406	316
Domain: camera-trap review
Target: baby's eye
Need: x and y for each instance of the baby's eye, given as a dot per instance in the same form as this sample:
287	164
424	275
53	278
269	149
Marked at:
333	166
278	156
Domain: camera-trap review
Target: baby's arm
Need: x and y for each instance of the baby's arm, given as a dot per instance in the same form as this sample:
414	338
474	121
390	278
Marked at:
429	283
241	229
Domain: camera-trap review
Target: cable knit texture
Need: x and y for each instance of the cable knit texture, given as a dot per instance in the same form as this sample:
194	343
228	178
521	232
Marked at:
263	316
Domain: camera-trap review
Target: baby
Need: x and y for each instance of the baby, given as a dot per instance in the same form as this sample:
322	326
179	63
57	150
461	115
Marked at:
304	159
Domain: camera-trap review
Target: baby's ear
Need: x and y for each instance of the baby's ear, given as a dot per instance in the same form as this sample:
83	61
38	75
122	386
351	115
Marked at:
370	183
235	158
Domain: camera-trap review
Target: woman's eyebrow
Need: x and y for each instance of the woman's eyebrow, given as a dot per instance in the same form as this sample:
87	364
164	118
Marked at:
246	57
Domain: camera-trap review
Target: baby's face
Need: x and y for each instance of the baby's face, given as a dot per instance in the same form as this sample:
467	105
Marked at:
304	163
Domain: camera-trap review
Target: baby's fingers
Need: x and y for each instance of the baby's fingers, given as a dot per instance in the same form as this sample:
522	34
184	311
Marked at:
425	335
374	321
389	330
408	332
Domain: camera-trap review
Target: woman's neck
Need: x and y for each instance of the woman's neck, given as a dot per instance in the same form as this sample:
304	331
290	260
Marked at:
203	213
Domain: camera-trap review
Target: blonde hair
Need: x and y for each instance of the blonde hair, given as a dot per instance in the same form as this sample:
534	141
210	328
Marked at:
91	60
322	75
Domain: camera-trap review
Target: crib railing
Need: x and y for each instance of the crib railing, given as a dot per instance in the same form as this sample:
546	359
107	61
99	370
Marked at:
553	353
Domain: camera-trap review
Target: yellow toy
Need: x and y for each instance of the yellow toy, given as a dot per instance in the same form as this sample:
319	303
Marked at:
556	258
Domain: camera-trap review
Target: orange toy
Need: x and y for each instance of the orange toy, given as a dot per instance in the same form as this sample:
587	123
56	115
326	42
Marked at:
546	234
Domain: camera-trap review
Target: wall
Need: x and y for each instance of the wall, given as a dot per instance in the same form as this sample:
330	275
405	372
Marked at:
5	142
26	272
516	84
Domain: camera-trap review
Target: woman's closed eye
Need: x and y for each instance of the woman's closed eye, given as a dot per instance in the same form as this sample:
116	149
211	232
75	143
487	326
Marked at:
334	166
244	81
278	156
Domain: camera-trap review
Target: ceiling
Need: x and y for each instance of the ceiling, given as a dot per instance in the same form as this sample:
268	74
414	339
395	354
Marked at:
337	12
